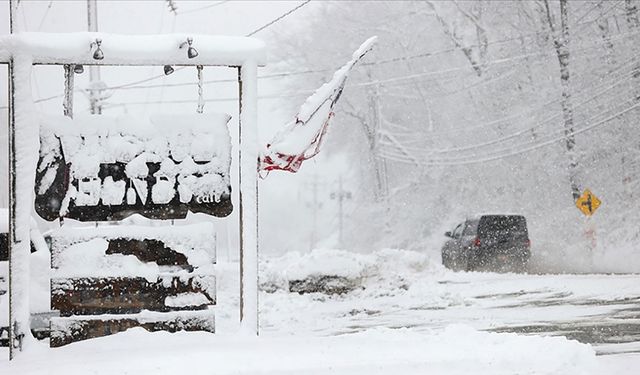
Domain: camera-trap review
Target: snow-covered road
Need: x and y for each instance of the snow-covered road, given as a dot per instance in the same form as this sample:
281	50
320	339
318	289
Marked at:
406	314
602	310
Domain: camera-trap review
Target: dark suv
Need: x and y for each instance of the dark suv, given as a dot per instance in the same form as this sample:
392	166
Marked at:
489	242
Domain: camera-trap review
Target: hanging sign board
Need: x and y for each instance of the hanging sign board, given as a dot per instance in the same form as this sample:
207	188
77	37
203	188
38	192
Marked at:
101	168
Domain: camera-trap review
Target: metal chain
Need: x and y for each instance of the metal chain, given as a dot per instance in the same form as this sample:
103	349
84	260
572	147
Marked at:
200	84
67	103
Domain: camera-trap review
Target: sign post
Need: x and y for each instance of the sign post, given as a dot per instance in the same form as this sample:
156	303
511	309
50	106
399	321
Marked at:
588	203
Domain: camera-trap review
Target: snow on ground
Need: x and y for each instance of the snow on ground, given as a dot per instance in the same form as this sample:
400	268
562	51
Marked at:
407	315
454	350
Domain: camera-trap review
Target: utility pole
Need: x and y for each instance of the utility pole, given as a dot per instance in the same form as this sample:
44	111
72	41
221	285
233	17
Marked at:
312	243
340	195
340	213
314	205
95	92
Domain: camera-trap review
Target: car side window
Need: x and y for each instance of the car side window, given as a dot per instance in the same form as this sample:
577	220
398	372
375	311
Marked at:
457	233
471	227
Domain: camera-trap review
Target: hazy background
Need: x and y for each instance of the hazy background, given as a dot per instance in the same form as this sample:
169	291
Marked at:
456	112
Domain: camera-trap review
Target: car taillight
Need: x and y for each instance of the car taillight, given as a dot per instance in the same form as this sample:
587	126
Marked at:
476	242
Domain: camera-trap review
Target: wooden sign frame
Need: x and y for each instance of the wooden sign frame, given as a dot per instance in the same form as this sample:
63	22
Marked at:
20	66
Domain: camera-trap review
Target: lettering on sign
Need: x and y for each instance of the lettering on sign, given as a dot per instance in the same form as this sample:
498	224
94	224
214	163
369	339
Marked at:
108	175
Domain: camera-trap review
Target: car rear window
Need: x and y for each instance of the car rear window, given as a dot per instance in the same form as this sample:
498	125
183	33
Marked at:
502	224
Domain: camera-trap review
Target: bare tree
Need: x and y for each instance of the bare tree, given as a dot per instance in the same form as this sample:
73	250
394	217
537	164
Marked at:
475	49
561	39
631	11
603	27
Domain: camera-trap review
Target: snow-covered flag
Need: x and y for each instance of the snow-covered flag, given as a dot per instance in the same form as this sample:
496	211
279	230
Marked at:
301	138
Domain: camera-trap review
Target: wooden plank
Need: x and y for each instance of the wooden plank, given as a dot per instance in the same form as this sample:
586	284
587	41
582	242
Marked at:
148	250
165	246
65	330
121	295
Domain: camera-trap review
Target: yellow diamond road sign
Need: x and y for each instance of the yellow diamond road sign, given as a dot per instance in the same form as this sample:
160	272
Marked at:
588	203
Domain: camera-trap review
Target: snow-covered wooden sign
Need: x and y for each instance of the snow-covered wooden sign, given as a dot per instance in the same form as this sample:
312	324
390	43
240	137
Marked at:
101	168
108	279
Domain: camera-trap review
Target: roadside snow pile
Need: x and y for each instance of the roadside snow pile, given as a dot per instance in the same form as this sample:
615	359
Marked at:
338	271
453	350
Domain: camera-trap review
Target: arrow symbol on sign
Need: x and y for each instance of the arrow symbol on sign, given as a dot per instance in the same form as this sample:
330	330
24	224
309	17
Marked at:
588	204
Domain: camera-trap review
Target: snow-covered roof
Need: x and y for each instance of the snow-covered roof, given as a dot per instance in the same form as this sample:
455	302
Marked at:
118	49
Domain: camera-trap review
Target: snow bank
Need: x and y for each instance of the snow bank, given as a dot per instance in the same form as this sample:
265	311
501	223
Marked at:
392	267
454	350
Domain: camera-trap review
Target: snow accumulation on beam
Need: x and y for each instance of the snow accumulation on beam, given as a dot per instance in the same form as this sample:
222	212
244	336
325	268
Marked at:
119	49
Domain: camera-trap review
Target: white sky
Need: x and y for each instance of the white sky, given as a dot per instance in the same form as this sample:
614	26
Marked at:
151	17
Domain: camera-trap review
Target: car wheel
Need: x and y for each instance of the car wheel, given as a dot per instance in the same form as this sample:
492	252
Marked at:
520	266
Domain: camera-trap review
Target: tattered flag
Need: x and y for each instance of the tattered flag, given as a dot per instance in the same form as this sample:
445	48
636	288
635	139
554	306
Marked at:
301	138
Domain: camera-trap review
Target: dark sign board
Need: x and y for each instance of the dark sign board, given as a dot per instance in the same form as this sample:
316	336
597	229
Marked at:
163	184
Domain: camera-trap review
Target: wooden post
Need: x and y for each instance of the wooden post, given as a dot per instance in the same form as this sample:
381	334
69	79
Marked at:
14	330
248	197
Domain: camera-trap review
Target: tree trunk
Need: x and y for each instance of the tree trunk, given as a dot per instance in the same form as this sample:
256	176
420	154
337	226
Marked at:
603	26
631	11
379	164
561	44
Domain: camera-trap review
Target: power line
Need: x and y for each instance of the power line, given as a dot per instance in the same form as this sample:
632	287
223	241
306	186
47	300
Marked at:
514	135
46	12
204	7
278	18
313	71
587	89
557	131
514	153
393	80
275	75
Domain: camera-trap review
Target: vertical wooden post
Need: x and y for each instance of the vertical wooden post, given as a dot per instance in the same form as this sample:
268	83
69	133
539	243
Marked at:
13	329
248	197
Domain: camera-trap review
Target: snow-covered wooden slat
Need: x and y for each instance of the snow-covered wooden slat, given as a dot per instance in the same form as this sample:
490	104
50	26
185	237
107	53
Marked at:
65	330
119	49
103	275
120	295
102	251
